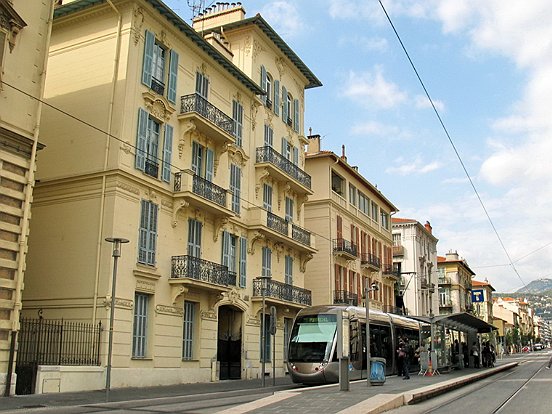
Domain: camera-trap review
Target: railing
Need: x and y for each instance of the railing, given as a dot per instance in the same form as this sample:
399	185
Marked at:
208	190
445	304
444	280
200	105
157	86
389	270
198	269
276	223
344	246
345	297
269	154
398	250
151	168
370	259
282	291
301	235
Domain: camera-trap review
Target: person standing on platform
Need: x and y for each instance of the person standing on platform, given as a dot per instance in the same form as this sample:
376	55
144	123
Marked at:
475	355
403	361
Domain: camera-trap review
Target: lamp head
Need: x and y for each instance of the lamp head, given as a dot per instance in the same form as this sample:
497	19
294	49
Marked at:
374	286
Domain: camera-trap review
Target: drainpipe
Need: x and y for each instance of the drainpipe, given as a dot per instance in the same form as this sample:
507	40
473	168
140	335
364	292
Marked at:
27	211
100	237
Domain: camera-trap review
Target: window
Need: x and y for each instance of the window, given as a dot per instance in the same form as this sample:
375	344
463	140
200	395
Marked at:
286	106
352	195
139	333
202	86
338	184
396	239
268	136
288	271
289	209
188	330
385	220
267	262
286	149
375	209
147	239
266	86
203	161
235	187
154	67
276	97
229	249
237	117
363	203
194	238
267	197
147	146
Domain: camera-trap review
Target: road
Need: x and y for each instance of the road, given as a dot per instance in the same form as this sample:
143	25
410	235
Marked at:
522	390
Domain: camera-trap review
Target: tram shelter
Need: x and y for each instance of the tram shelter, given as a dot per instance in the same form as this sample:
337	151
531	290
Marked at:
445	329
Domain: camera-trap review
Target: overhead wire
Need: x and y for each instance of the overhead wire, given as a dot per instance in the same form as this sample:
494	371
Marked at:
511	263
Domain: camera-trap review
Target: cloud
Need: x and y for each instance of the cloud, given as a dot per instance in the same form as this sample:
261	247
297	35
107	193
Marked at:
417	166
421	102
371	89
284	17
379	129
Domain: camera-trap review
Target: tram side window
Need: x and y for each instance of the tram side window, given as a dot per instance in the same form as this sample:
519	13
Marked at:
312	338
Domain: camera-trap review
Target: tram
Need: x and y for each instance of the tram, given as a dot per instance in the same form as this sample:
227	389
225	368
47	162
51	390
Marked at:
312	350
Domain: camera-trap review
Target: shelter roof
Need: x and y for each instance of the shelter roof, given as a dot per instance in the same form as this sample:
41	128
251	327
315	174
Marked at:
461	321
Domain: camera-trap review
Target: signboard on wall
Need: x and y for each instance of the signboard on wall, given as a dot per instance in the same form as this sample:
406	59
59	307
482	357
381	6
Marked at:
477	296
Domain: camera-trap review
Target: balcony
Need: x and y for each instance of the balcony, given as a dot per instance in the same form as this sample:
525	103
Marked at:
398	251
283	169
282	293
343	297
444	280
151	168
279	229
208	119
200	193
391	273
371	261
157	86
345	248
201	273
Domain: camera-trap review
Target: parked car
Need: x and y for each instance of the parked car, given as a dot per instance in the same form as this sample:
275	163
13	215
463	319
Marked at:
525	349
538	347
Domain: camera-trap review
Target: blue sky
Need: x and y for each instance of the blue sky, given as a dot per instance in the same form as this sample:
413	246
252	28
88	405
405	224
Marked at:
488	67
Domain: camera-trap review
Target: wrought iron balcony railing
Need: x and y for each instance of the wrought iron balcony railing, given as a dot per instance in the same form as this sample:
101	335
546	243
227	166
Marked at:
157	86
200	105
345	246
301	235
345	297
370	259
204	188
270	155
398	250
151	168
390	271
276	223
282	291
202	270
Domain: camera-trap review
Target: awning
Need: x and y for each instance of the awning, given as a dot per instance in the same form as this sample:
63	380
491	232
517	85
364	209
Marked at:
461	321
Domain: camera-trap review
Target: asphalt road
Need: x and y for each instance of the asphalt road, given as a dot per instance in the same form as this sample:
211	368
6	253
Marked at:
525	389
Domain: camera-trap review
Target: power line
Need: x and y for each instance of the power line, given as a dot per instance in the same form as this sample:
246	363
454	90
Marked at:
511	263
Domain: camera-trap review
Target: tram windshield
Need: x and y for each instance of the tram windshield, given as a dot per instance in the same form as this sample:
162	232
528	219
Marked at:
312	338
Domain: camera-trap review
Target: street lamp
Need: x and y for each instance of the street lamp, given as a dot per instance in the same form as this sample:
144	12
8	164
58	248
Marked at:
373	288
264	282
116	241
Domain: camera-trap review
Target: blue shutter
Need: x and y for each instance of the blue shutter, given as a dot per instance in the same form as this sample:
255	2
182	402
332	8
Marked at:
296	115
173	73
226	249
296	155
140	161
284	147
167	152
152	237
196	158
277	97
148	58
243	261
143	232
263	83
285	114
209	165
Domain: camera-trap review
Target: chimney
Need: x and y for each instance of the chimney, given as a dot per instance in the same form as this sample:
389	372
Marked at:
452	256
343	156
219	14
428	227
314	143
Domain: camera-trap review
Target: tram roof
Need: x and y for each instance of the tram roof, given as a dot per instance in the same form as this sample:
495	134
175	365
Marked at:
461	321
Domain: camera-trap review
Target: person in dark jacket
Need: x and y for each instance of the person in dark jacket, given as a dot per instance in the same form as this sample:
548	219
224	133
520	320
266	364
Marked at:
403	359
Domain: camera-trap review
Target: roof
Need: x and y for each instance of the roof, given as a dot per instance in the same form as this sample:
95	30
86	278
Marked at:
181	25
398	220
461	321
482	284
262	24
441	259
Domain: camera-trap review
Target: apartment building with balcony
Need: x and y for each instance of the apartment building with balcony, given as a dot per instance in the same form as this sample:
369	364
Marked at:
482	300
415	260
24	33
171	145
352	220
455	283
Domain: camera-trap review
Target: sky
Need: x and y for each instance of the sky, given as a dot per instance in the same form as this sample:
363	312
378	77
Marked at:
487	66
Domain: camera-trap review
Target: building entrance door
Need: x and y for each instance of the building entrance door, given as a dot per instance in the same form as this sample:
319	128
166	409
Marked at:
229	345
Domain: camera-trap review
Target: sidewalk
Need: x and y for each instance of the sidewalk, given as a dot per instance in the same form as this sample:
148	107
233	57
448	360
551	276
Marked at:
360	398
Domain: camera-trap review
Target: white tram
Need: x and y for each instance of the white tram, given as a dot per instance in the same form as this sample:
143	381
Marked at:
312	350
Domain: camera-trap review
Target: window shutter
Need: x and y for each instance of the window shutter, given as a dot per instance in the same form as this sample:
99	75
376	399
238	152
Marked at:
263	83
140	161
152	243
167	153
296	115
173	72
195	158
209	165
277	97
285	114
225	248
143	236
243	261
148	58
339	227
284	147
296	155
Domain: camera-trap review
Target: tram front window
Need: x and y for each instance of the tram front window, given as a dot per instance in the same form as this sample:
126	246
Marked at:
312	338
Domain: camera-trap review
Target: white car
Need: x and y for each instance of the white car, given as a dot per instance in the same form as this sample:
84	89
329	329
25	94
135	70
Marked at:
538	347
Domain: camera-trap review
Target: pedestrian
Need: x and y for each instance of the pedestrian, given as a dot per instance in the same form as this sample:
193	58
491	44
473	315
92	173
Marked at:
549	362
475	354
465	352
403	359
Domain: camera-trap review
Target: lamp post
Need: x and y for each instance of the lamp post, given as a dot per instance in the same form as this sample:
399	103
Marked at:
373	288
264	281
116	241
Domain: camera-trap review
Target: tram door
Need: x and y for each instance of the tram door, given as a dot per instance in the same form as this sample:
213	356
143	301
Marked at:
381	345
229	343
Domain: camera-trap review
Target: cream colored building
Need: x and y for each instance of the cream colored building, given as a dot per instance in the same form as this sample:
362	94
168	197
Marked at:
415	259
24	33
482	299
191	147
455	281
352	219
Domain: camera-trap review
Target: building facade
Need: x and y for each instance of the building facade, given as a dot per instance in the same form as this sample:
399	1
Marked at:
455	281
415	259
352	220
173	147
482	300
24	33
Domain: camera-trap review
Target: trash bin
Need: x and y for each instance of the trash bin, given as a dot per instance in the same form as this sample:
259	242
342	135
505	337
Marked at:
377	371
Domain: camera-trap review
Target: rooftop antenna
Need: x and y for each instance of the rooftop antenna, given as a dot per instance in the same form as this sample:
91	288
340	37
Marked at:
196	6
